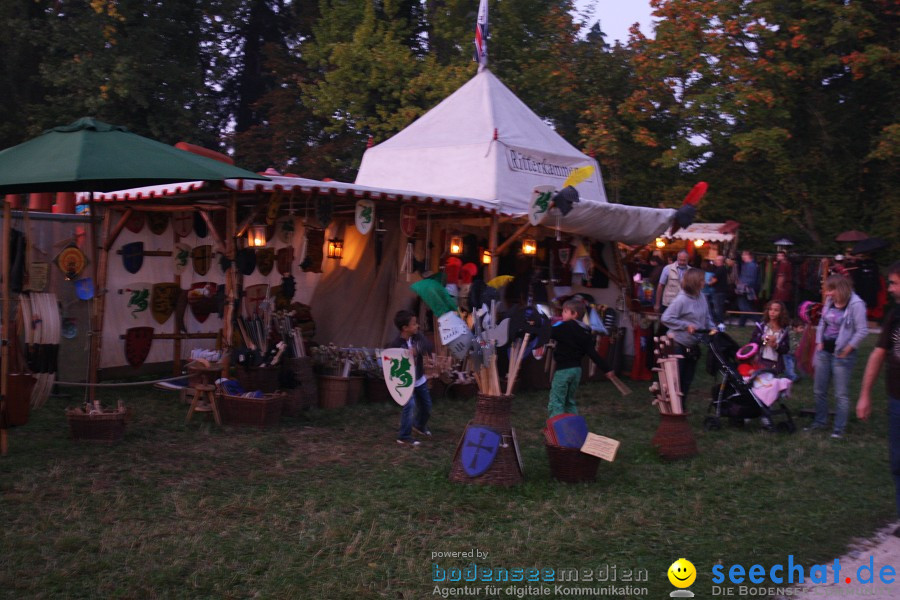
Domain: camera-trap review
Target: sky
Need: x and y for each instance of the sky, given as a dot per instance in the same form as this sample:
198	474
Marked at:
616	16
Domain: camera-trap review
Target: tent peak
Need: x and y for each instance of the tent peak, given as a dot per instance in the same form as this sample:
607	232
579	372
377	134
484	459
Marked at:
89	123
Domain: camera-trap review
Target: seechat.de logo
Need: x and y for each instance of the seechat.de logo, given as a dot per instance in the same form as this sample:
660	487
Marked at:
682	574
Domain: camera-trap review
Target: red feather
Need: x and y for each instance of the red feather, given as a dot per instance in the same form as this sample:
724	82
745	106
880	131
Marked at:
696	193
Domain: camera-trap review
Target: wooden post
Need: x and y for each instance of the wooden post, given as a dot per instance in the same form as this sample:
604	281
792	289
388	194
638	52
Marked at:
230	280
4	320
492	247
100	271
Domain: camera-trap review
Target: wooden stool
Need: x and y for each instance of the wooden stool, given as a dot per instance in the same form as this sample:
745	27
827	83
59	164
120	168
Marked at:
204	393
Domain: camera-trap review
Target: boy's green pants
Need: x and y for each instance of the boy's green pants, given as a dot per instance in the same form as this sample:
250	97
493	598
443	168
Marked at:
562	391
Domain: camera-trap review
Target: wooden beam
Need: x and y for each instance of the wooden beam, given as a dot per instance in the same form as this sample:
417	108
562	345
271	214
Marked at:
100	274
492	247
242	228
516	235
213	230
108	243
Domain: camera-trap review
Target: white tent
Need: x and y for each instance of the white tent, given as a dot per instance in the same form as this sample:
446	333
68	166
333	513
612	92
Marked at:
483	143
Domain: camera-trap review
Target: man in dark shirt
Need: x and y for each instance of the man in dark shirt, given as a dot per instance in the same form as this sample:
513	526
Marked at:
720	288
888	348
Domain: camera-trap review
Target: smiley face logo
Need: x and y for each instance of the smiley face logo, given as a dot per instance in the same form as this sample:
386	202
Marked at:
682	573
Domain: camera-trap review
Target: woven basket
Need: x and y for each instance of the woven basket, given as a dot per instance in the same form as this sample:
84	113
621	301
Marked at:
571	465
18	400
333	391
674	438
505	470
264	379
106	428
356	390
252	412
493	411
377	391
462	391
305	377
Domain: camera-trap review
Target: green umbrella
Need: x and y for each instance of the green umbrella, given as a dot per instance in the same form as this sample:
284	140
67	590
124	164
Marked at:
90	155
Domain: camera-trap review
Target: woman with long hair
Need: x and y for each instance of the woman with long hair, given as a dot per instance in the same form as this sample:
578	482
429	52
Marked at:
772	335
687	318
841	330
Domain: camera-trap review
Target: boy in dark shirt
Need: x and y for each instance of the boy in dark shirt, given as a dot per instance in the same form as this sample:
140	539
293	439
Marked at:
417	411
573	340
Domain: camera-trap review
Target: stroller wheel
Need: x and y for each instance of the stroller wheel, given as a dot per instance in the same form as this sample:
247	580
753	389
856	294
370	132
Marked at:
712	424
786	427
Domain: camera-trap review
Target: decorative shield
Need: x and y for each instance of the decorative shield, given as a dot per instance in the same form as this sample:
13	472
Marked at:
158	222
202	299
138	295
180	255
133	256
272	209
408	214
135	222
254	295
565	253
365	216
183	223
399	373
570	430
137	345
200	227
71	261
284	229
265	260
201	257
246	260
38	275
285	260
162	300
479	449
84	288
540	203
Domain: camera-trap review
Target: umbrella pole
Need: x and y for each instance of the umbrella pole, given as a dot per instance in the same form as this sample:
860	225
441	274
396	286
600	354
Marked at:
100	269
4	328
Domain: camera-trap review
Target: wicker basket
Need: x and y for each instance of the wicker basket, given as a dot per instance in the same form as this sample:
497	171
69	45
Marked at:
462	391
571	465
305	377
493	411
377	391
504	471
253	412
674	438
264	379
356	390
107	427
18	400
333	391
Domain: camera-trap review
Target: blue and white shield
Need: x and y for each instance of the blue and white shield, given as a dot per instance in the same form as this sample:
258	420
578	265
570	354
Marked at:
133	256
479	449
84	288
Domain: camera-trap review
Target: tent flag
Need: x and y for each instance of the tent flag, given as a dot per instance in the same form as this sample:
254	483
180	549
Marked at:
481	33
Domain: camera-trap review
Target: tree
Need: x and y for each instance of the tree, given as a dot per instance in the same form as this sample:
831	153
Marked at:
781	102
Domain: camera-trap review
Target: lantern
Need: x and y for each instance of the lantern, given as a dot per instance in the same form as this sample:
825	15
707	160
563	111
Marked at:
456	245
529	247
256	236
335	248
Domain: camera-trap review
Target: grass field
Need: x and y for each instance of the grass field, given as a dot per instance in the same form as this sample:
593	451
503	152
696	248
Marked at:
328	506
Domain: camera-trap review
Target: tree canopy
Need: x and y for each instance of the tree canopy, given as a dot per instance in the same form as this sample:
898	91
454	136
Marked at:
788	108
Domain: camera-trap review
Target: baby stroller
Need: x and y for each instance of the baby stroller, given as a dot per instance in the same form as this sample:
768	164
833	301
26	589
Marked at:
734	398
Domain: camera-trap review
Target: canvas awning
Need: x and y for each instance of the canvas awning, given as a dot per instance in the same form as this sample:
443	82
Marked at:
709	232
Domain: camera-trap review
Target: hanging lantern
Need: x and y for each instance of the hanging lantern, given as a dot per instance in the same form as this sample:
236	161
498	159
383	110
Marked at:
529	247
256	236
486	257
660	243
335	248
456	245
698	243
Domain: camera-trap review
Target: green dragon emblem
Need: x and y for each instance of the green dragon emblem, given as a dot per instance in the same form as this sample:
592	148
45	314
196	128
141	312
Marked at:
400	371
365	215
181	258
139	301
542	203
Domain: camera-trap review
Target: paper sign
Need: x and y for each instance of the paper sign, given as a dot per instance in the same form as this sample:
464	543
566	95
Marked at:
604	447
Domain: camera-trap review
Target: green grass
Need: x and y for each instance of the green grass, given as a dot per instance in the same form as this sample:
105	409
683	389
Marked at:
328	506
